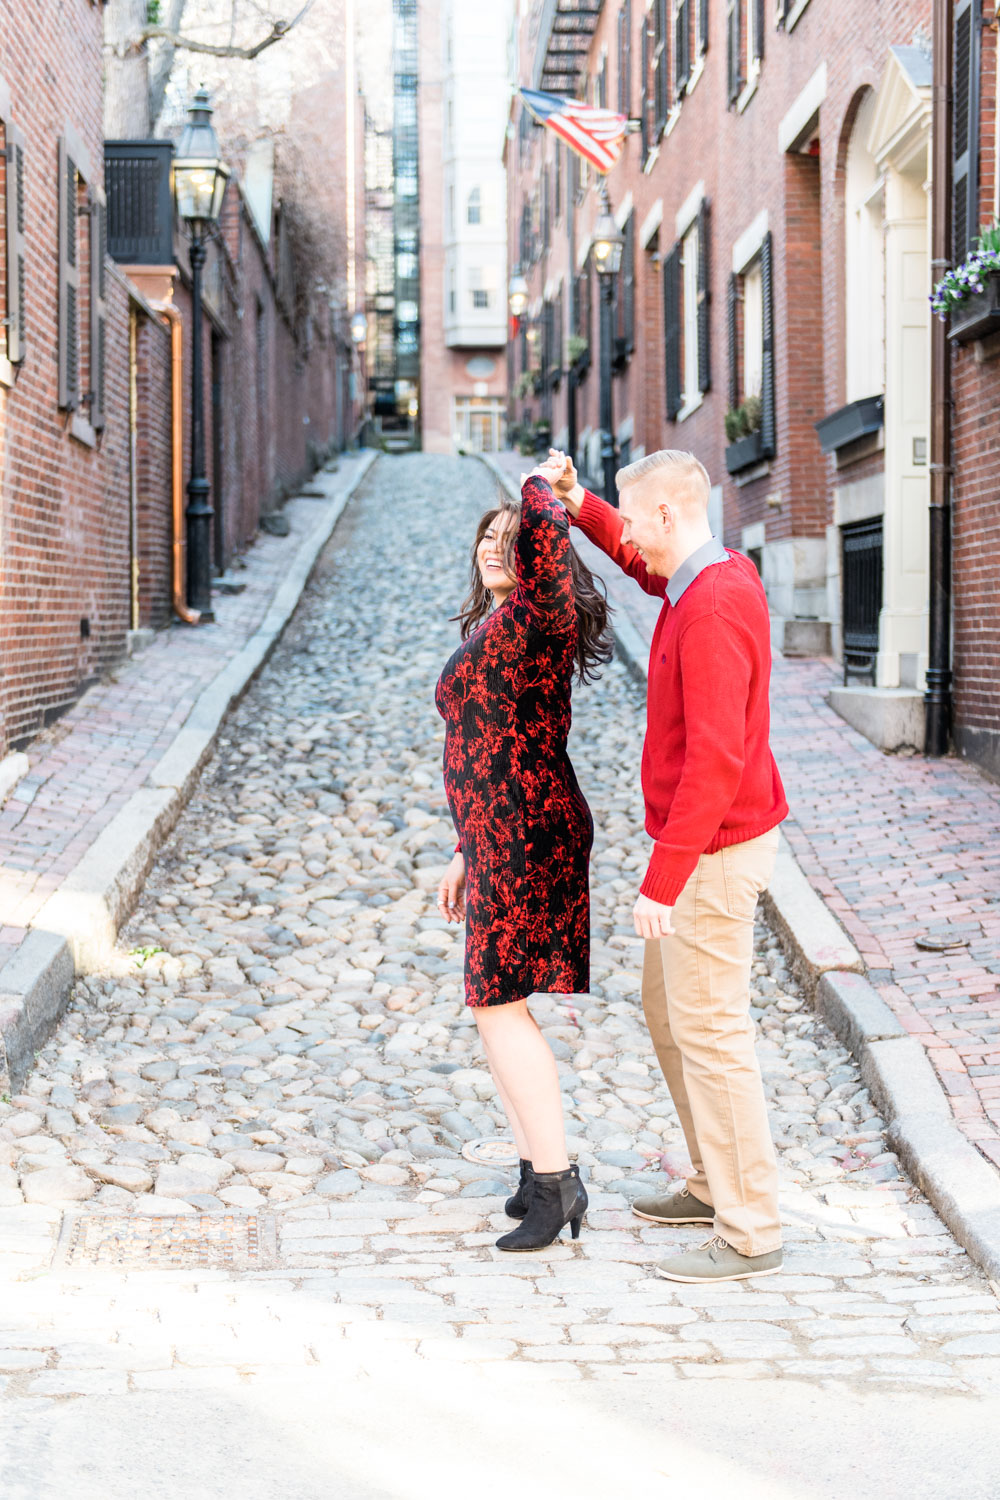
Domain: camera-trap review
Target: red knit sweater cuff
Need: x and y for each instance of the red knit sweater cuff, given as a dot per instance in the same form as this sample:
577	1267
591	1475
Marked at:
664	881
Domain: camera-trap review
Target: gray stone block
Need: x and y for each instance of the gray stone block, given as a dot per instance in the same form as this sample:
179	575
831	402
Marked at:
855	1011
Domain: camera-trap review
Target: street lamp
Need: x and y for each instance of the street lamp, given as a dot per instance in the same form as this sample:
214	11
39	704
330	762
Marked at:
606	247
359	328
199	184
517	294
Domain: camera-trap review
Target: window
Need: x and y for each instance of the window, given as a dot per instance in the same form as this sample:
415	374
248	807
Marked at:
451	207
864	266
701	26
645	96
682	46
582	329
82	320
474	207
558	178
12	264
745	26
480	297
625	58
751	341
687	332
601	84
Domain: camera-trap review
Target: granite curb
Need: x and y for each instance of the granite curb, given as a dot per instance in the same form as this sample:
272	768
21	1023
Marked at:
76	928
962	1186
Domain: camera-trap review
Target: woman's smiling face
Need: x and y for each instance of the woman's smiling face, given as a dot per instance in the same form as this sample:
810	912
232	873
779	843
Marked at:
490	557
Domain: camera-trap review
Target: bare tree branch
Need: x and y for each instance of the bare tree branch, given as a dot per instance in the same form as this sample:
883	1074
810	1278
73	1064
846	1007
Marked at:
175	40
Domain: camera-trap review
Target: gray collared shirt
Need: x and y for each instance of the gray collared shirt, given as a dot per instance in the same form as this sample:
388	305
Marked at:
703	557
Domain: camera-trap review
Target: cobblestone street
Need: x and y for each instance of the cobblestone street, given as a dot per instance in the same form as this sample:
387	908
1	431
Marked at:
284	1038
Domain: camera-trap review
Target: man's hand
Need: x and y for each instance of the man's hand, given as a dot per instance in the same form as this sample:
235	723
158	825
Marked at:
567	486
651	919
551	470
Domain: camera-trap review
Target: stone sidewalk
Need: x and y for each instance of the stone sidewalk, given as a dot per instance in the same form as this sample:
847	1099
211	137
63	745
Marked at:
84	767
899	847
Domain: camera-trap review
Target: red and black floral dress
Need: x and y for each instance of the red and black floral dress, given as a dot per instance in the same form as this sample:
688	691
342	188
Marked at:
523	825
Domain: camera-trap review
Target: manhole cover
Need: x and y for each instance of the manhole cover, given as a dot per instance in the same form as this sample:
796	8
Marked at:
133	1242
491	1153
941	942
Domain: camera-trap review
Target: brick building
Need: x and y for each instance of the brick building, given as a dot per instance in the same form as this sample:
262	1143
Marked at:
95	373
771	312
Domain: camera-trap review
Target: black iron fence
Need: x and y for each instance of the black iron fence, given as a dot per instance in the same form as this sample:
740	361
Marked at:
861	582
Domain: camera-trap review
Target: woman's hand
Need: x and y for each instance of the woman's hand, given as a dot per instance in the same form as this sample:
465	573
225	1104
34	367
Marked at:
566	485
451	891
551	469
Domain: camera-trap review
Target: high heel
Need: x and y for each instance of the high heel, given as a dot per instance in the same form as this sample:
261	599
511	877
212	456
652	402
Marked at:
557	1199
517	1206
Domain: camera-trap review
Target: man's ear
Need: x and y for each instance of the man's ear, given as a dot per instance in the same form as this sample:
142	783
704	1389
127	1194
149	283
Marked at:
666	515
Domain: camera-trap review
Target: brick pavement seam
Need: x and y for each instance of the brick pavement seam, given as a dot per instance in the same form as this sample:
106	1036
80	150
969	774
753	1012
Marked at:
958	1181
78	924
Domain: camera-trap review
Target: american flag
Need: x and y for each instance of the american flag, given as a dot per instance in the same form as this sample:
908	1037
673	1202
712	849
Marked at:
595	134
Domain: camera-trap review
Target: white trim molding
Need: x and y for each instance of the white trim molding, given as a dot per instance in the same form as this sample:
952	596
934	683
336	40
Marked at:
688	211
623	211
792	19
797	120
749	243
651	224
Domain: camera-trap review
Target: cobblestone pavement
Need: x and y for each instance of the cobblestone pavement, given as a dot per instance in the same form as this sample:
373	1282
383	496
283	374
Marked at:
284	1038
84	768
899	847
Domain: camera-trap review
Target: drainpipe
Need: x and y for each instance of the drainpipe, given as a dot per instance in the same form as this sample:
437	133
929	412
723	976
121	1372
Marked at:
171	315
937	698
133	478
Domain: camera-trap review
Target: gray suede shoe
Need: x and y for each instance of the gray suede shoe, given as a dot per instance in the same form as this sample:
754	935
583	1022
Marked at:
718	1261
678	1207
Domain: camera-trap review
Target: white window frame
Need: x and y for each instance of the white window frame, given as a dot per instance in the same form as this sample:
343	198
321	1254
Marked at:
691	395
752	363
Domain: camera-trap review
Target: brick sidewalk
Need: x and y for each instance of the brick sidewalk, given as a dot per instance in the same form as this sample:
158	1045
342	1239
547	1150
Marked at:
84	768
898	847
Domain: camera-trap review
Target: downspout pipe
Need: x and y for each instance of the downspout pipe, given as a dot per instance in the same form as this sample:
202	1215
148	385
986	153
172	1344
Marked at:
937	697
170	315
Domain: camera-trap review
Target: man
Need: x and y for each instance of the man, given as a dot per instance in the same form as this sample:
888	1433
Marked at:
714	800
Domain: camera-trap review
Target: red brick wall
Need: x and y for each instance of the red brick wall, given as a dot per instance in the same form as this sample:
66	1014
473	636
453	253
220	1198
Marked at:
976	500
64	548
153	478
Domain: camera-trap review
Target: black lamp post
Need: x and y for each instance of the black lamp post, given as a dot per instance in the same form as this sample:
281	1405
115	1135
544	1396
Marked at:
199	184
606	248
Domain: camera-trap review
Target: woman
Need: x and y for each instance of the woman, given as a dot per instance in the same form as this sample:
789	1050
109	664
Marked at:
519	877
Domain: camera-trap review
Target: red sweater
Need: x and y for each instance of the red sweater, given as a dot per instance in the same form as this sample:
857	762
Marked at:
708	775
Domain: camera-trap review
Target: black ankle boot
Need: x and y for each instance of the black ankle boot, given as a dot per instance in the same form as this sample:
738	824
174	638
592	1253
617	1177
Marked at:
517	1207
557	1198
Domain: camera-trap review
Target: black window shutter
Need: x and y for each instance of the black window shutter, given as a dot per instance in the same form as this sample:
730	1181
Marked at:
625	58
661	62
767	414
734	54
14	208
672	329
965	130
644	103
98	307
625	296
760	21
69	284
733	327
704	297
782	12
682	46
703	26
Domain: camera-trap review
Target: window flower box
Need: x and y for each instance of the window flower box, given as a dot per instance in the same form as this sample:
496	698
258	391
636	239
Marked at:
978	315
744	452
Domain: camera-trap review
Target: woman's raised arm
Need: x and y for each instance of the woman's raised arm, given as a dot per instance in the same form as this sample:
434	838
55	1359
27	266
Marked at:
542	556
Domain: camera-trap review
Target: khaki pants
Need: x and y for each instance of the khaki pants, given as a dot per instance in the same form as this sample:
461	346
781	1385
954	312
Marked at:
696	996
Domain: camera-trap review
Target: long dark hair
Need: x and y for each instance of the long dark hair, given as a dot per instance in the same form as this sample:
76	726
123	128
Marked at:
595	642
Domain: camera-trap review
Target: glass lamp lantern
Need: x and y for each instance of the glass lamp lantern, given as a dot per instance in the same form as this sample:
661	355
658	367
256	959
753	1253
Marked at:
200	176
517	295
607	244
359	328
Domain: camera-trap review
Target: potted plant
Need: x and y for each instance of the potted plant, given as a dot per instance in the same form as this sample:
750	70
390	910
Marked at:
743	425
524	385
969	295
578	351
